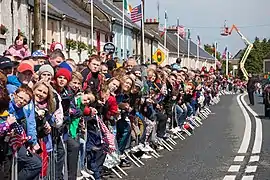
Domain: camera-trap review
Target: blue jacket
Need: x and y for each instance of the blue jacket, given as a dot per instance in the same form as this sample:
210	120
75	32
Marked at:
27	113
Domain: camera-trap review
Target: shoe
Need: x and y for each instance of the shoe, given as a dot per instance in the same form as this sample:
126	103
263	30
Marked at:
147	148
125	163
145	156
159	148
177	129
79	174
88	171
173	131
85	174
135	149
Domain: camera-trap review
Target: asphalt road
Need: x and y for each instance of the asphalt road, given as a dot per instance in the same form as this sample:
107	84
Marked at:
213	151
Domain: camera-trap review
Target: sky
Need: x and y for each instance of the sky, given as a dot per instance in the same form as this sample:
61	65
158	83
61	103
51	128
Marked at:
206	17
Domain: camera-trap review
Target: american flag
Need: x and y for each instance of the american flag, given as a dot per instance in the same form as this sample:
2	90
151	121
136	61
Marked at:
224	55
199	40
107	137
181	31
18	138
136	13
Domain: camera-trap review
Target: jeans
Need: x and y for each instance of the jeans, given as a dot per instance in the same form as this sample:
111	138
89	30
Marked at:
29	165
251	97
5	167
123	135
194	106
82	153
179	115
161	124
72	158
189	110
60	159
95	160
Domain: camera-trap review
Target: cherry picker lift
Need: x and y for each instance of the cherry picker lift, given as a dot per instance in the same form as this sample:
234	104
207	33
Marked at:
226	32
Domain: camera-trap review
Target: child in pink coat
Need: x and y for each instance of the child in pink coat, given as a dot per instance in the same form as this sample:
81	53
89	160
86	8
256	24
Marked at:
20	48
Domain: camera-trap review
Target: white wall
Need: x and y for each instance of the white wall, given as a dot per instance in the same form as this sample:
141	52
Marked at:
21	21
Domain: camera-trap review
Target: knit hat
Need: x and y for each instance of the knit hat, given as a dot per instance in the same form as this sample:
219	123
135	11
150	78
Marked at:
66	66
64	72
139	83
56	45
46	68
136	68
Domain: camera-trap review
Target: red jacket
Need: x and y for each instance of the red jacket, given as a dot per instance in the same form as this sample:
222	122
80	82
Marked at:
112	107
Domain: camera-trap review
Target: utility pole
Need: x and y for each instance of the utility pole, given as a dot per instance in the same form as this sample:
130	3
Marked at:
37	27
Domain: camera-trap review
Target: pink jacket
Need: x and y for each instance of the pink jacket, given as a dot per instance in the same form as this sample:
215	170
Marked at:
22	52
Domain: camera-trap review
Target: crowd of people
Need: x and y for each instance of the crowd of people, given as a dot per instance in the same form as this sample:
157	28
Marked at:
61	120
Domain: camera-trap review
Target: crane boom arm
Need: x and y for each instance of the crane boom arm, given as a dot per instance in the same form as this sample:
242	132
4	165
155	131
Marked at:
245	56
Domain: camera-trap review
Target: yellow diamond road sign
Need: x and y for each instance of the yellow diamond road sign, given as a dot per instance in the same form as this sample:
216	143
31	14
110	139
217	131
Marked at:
159	56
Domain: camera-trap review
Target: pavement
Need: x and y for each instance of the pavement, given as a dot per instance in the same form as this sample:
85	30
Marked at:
229	145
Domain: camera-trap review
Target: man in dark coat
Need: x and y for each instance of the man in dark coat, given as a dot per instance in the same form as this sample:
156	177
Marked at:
250	89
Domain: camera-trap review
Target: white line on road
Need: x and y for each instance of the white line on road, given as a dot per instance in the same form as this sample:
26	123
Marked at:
234	168
239	158
247	134
254	158
248	177
251	169
258	135
229	177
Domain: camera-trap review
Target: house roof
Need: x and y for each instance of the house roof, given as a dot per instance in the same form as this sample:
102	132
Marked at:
112	11
183	45
238	55
87	16
64	7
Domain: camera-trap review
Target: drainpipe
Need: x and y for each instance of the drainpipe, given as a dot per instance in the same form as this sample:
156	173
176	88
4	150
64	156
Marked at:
136	49
12	20
151	50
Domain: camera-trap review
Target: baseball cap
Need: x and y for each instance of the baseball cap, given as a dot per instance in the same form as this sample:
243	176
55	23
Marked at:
5	62
25	67
39	54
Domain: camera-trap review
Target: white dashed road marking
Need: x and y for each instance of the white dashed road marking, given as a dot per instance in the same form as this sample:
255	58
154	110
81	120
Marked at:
229	177
254	158
239	158
256	149
248	177
251	169
234	168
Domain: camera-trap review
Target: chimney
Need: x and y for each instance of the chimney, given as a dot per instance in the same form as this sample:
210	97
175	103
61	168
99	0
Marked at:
152	24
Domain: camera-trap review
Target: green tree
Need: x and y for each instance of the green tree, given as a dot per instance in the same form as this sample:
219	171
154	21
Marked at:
254	62
70	45
211	50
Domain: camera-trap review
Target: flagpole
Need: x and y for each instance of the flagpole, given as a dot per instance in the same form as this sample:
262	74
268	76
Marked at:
165	34
92	25
188	46
215	55
123	30
46	27
142	6
198	53
227	62
178	41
